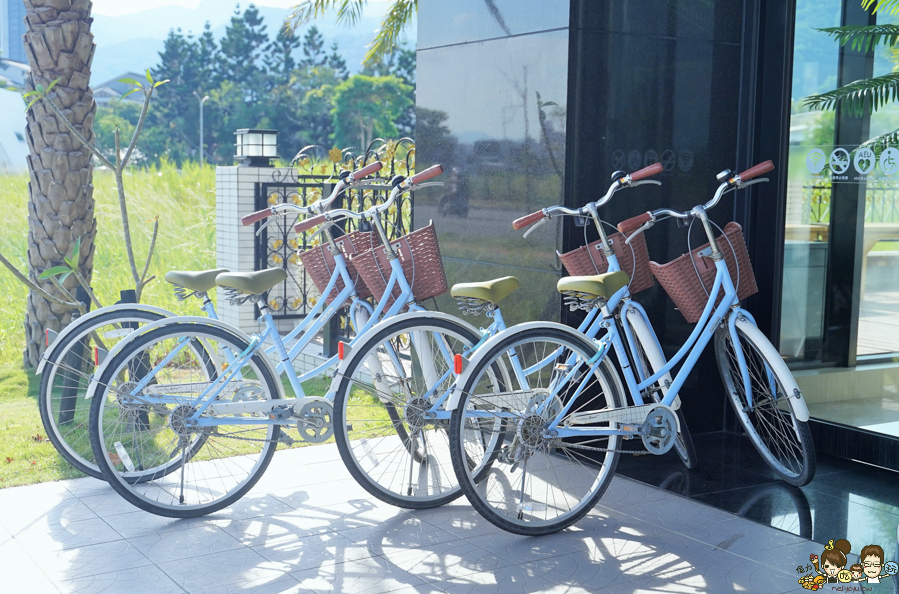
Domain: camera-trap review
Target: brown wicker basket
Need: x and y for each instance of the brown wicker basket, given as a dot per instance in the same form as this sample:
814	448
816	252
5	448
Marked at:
419	254
589	260
319	263
681	283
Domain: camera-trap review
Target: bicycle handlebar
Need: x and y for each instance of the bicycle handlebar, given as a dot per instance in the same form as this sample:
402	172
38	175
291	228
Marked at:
307	224
654	169
629	225
756	171
634	179
256	216
737	182
402	187
427	174
352	178
526	220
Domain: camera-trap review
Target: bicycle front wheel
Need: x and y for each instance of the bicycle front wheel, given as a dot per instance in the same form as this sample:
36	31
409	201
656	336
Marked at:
766	409
538	483
145	440
66	376
390	432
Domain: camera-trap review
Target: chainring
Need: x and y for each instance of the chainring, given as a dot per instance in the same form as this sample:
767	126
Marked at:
659	430
316	421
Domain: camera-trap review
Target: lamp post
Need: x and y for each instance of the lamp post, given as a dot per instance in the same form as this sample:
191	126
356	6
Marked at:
202	101
256	147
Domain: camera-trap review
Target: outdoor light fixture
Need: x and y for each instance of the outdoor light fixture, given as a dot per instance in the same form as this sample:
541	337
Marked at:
256	148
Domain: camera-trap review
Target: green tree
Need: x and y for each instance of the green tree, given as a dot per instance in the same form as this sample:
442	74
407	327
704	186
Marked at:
314	48
241	48
367	107
279	60
349	12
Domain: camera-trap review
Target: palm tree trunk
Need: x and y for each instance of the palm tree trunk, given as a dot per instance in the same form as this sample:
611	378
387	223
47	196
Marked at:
59	45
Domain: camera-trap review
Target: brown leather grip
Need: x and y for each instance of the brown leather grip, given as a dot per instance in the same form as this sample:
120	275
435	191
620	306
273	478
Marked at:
527	220
632	224
303	226
256	216
426	174
756	171
367	170
654	169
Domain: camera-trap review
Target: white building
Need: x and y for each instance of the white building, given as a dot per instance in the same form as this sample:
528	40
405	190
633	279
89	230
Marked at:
13	147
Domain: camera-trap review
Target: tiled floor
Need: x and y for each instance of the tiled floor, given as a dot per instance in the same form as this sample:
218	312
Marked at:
845	500
307	527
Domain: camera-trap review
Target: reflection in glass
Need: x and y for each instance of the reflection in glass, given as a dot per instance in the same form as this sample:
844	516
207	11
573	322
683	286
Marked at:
815	62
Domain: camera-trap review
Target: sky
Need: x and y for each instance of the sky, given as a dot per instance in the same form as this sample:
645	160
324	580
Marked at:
120	7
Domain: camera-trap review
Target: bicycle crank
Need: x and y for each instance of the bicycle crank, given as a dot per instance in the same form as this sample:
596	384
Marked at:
315	422
659	430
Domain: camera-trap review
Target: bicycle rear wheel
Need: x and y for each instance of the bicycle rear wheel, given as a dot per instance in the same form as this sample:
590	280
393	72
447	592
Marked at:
66	376
387	432
538	484
144	440
766	413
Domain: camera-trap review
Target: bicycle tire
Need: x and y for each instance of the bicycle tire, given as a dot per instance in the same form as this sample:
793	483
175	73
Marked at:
558	458
765	415
157	488
367	444
65	364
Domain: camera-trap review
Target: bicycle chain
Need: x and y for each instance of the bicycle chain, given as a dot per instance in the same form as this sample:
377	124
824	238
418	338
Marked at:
595	449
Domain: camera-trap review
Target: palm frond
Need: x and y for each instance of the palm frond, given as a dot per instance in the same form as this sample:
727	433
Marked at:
859	96
350	12
391	28
308	10
882	142
891	6
864	37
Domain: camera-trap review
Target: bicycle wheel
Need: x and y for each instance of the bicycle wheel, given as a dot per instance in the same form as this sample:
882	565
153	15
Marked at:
784	442
683	443
65	378
538	484
388	438
144	442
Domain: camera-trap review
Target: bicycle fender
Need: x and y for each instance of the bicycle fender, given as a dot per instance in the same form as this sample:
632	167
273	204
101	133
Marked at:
89	316
761	341
452	403
359	347
92	387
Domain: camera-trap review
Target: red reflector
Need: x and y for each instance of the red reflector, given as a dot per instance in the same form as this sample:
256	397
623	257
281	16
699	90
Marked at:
457	364
47	334
340	350
96	356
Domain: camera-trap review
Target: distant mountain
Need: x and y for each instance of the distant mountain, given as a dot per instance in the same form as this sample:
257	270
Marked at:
132	42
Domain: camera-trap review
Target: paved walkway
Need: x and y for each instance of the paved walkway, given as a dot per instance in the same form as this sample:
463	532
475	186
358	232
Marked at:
307	527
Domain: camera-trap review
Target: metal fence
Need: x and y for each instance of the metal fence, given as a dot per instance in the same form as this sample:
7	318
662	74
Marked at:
312	175
881	202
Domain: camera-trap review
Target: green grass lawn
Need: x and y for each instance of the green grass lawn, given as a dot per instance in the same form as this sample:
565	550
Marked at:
183	199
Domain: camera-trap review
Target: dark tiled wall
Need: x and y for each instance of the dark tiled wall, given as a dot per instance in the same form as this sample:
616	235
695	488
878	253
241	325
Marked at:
491	107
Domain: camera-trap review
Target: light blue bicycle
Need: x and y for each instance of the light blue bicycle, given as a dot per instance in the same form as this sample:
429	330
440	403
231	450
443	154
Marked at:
186	412
392	427
561	425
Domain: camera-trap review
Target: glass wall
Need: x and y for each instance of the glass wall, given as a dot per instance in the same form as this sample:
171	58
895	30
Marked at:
840	297
491	107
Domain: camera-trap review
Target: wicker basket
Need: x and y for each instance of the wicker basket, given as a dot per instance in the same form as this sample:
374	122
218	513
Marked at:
589	260
419	254
679	279
319	263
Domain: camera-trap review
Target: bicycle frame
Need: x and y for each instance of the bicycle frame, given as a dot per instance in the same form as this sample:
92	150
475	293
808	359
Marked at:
314	322
692	348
